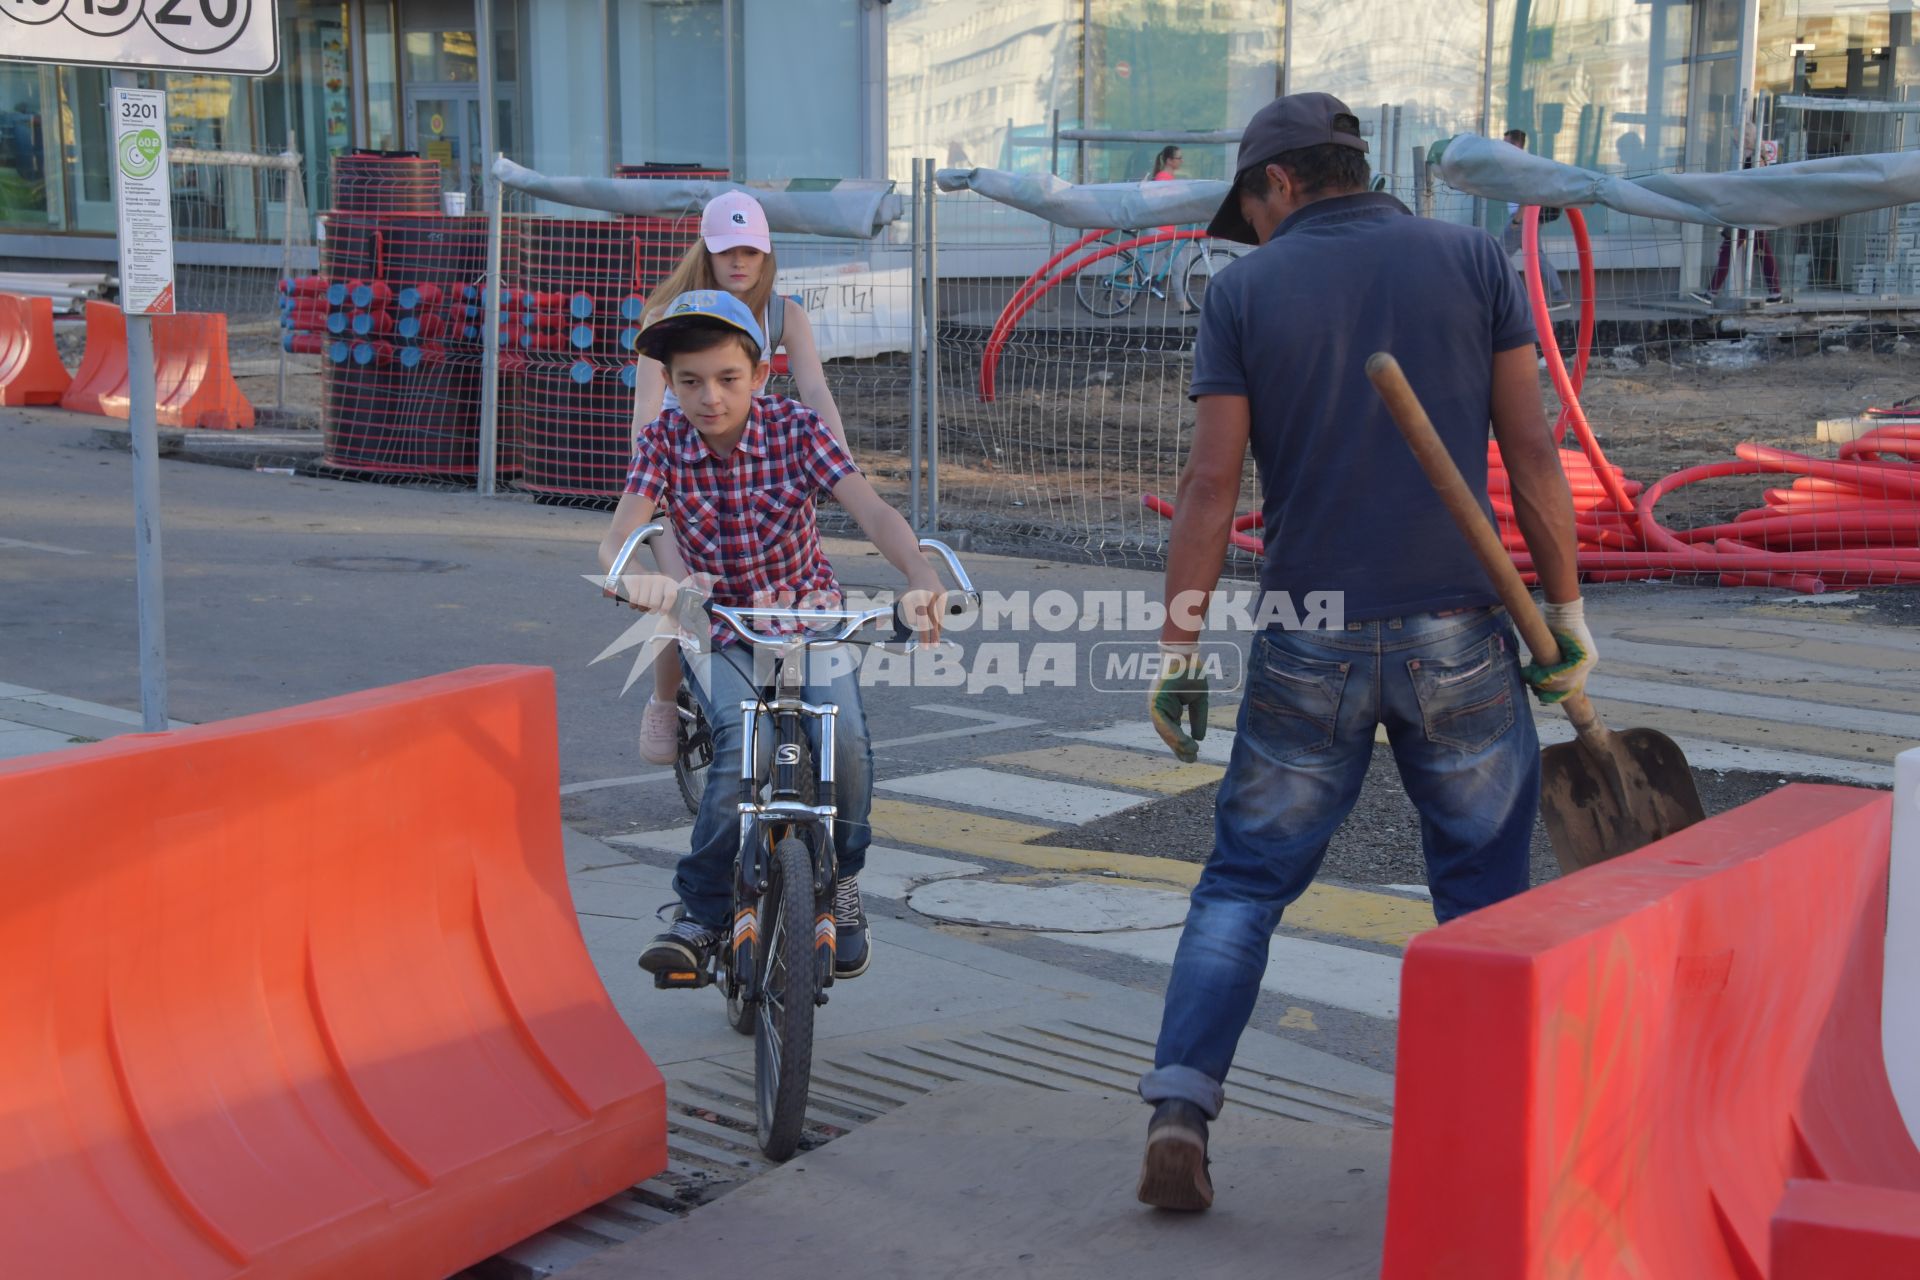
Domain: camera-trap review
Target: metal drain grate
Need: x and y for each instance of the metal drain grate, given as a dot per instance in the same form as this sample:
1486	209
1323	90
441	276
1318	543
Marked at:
711	1146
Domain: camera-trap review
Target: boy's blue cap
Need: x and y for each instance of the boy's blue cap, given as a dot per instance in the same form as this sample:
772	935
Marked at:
704	309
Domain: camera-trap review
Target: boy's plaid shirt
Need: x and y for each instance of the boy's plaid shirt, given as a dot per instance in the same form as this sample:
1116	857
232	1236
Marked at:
747	519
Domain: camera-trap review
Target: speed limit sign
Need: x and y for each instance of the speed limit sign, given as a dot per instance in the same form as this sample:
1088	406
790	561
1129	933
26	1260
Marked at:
237	36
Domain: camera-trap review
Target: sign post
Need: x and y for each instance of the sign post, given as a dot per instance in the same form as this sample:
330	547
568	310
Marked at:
145	199
236	37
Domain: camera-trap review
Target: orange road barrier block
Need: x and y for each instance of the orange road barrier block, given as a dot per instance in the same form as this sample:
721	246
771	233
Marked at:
193	380
30	368
302	995
1617	1074
100	384
193	377
1825	1230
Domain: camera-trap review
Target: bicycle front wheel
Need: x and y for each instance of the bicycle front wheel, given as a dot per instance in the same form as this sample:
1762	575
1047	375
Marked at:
783	1039
1107	287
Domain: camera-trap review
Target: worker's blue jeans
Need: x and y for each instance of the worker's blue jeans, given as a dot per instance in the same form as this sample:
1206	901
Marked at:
1448	689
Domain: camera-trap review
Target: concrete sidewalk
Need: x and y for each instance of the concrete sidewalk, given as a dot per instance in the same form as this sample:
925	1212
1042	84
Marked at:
33	720
939	1012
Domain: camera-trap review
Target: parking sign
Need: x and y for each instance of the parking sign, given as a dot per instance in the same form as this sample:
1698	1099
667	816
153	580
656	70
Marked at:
241	37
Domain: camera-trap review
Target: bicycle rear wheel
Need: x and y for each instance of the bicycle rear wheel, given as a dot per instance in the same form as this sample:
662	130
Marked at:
1198	275
1107	288
783	1036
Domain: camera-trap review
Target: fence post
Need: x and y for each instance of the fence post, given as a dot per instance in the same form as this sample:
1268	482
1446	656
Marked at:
490	345
915	348
933	354
1422	187
294	192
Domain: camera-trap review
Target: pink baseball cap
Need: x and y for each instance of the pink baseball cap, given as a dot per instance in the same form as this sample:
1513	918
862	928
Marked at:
732	220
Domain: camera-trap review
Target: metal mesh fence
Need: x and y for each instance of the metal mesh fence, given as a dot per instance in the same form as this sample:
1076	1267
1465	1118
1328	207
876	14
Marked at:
242	226
1064	362
1064	366
575	302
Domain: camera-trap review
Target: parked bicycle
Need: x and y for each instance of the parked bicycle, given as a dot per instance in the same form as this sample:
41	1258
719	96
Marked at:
1110	286
779	963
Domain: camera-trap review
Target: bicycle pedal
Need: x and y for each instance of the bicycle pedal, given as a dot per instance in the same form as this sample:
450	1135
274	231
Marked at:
664	981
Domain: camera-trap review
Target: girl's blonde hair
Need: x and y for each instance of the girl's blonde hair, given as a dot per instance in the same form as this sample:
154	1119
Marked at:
695	271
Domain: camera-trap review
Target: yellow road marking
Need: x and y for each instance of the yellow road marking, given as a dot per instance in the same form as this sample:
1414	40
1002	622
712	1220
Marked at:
1324	908
1110	765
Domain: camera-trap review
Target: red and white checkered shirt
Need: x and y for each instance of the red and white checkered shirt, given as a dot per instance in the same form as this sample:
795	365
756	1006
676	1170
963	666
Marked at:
747	518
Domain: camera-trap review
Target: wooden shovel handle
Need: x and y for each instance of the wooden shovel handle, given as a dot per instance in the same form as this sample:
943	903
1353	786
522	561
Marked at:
1385	374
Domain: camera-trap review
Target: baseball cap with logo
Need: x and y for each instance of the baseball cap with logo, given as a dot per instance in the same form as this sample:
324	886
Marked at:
1291	123
734	219
698	309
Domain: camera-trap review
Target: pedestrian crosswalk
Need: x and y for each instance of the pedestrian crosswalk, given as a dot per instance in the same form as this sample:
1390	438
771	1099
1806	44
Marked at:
1806	699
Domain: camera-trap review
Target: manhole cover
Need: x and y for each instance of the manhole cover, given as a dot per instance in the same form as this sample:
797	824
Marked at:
377	564
1072	906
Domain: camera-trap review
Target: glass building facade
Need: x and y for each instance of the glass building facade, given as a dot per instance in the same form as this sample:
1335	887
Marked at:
801	89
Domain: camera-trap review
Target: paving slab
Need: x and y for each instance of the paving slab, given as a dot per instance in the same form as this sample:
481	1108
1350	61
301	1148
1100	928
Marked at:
997	1179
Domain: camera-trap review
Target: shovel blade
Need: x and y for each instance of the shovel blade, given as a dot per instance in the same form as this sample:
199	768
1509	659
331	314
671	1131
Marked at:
1590	817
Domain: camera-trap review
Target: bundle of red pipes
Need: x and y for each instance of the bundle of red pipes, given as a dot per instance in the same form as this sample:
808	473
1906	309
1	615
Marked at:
1850	521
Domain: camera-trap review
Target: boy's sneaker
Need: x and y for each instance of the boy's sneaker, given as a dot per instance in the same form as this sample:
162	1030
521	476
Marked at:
683	948
659	732
1174	1173
1704	299
852	949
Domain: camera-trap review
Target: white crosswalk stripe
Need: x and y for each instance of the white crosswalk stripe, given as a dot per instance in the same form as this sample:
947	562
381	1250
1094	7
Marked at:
1048	800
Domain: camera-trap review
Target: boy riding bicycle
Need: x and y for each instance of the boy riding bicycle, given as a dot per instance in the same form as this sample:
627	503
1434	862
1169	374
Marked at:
737	474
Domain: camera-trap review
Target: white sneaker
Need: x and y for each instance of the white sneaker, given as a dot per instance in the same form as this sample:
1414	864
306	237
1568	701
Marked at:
659	732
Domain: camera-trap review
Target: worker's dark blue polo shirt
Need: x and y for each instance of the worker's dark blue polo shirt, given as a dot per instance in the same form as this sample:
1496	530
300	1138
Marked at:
1290	326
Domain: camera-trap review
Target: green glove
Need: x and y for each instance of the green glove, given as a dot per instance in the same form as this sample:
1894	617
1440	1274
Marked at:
1181	687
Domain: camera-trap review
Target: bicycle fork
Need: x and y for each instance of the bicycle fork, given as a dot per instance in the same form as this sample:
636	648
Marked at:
762	826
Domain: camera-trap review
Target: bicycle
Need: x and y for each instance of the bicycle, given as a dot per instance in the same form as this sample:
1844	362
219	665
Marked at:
784	873
1109	286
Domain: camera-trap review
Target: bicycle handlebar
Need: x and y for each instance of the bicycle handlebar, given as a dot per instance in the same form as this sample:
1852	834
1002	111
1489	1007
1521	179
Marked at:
850	620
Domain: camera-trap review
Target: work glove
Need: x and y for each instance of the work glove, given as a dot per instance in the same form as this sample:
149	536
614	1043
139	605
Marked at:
1180	689
1578	657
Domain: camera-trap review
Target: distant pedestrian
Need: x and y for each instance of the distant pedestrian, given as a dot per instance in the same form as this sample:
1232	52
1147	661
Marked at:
1166	165
1755	153
1514	239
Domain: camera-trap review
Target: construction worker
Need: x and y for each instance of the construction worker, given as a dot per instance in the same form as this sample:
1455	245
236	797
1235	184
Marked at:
1420	644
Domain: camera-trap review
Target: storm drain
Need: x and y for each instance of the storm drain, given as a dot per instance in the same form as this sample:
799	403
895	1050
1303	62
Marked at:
711	1147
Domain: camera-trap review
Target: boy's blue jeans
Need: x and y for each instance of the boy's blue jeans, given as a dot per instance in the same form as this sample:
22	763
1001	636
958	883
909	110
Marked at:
704	878
1448	689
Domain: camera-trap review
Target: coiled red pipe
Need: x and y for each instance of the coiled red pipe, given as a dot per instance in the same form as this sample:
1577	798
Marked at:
1028	294
1849	521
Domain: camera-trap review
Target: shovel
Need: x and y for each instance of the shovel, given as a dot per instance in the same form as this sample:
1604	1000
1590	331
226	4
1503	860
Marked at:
1604	793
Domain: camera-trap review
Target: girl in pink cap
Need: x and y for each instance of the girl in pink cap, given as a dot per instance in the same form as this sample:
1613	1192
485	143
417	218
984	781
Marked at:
734	253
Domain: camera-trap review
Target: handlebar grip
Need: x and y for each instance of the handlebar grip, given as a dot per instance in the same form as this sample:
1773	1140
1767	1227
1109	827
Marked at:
901	631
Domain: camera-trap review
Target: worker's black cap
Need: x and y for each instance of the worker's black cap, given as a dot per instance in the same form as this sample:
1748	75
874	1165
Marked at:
1291	123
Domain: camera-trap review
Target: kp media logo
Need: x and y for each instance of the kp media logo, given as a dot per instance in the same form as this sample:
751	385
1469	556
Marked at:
140	153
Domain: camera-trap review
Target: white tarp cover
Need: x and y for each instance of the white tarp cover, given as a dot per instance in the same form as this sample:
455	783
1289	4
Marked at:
1779	195
851	211
1096	206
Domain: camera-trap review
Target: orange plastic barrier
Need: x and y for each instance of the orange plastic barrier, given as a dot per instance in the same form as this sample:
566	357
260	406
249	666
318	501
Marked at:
193	380
100	384
192	375
1617	1073
302	995
30	368
1826	1229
